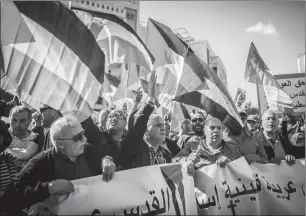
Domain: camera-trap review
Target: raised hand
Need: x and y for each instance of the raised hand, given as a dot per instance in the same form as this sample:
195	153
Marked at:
108	168
152	88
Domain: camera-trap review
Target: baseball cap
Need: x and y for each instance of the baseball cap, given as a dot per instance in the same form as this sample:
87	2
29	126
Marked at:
253	118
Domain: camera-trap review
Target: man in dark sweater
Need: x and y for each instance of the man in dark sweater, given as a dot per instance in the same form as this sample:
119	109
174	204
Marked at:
50	172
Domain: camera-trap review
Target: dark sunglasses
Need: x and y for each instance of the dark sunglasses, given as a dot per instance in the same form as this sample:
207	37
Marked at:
117	116
251	122
76	138
197	119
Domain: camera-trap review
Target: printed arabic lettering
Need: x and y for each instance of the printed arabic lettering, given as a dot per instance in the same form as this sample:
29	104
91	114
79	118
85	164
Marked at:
155	205
285	84
206	205
289	190
246	191
279	190
300	83
232	207
298	105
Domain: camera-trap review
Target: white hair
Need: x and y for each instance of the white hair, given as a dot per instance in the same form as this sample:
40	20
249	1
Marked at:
59	126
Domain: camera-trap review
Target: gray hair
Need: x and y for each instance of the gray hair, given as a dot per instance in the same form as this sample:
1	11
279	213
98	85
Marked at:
59	126
268	111
19	109
211	119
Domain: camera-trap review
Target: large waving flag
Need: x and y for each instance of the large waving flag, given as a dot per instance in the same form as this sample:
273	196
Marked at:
208	93
187	79
117	39
257	71
50	56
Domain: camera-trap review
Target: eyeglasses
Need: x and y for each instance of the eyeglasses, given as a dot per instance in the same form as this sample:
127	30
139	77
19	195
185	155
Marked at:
117	116
197	119
159	125
41	110
76	138
251	122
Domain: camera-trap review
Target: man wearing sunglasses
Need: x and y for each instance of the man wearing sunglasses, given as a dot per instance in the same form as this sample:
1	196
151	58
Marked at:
50	173
197	121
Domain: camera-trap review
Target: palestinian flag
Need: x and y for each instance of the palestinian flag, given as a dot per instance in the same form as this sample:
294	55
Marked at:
256	71
189	80
50	56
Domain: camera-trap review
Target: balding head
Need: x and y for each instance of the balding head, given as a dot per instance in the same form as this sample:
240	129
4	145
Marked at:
269	121
67	136
156	129
213	132
185	126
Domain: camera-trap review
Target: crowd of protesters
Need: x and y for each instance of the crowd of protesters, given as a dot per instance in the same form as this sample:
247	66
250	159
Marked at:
42	151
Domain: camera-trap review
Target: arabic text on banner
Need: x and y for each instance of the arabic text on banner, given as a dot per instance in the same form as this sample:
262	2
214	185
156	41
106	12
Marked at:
240	189
154	190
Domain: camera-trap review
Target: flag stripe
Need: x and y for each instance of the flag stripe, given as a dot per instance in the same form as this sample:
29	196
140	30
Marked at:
170	38
47	87
52	54
258	72
64	25
117	49
211	107
113	18
15	28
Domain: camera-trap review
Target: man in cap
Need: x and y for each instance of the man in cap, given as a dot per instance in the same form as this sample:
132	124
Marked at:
252	124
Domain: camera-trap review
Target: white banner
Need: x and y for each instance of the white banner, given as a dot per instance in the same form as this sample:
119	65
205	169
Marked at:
154	190
240	189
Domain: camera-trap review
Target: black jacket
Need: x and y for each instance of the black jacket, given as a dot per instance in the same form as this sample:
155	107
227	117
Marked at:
32	183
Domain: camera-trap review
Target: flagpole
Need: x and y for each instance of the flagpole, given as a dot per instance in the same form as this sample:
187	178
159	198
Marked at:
258	98
127	80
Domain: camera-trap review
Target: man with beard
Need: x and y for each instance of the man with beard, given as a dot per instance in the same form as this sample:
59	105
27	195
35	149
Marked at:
198	121
43	121
212	148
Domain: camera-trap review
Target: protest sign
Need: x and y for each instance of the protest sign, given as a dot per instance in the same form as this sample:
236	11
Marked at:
240	189
154	190
294	85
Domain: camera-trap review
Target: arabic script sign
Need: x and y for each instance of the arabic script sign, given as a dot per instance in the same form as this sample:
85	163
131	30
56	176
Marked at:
154	190
240	189
294	86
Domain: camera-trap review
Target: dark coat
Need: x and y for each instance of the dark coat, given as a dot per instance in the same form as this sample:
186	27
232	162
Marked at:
285	142
142	158
139	151
32	184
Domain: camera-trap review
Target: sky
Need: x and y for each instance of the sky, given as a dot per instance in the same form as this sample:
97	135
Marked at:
277	28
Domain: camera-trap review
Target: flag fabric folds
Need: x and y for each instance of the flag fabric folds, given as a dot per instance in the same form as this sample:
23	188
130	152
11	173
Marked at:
189	80
117	39
257	71
50	56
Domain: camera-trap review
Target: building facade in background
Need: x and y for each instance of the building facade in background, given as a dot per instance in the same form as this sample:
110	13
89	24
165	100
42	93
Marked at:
203	50
128	11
